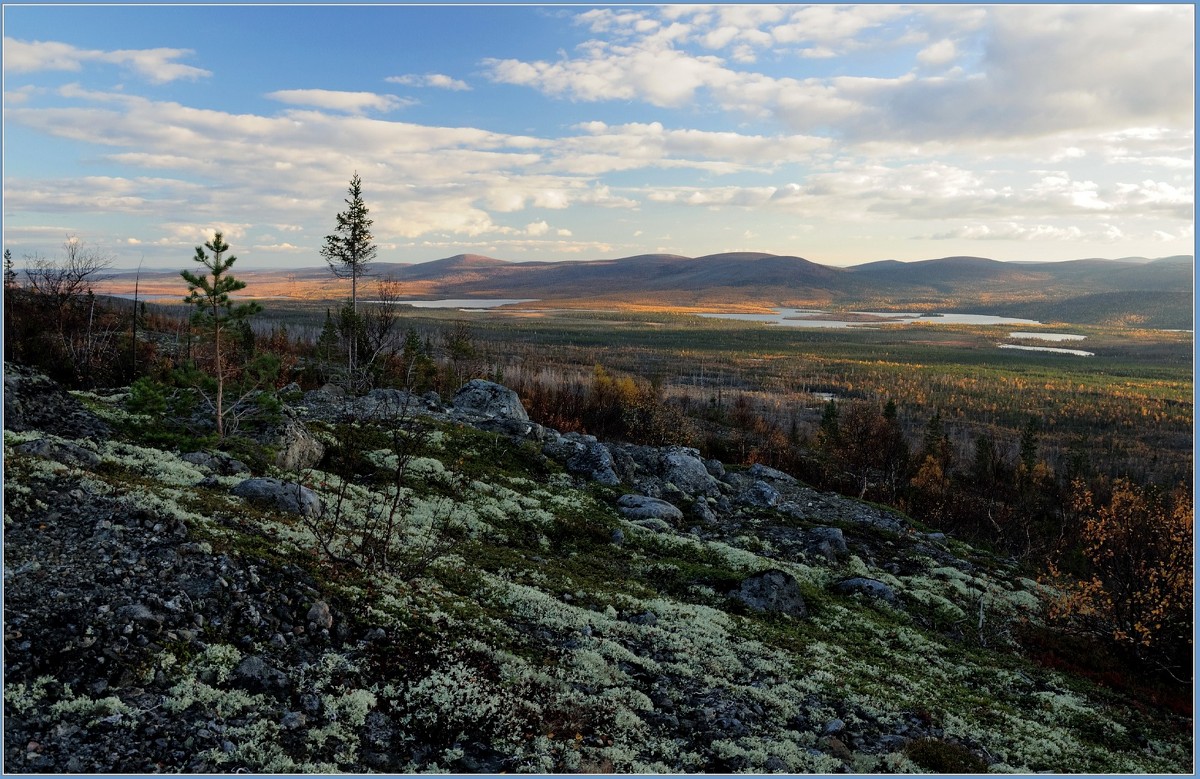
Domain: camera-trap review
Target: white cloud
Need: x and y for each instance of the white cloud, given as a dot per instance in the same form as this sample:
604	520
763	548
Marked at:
650	71
349	102
158	66
939	53
1015	231
21	95
537	228
1044	71
606	148
280	247
834	27
434	80
96	194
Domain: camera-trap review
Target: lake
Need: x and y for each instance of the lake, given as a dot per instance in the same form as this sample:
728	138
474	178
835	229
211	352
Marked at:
1049	336
1051	349
803	317
463	304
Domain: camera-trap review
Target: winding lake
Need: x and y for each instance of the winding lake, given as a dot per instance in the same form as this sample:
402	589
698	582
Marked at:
1051	349
804	317
1049	336
463	304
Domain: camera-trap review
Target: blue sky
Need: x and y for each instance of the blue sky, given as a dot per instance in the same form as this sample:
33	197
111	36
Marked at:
843	134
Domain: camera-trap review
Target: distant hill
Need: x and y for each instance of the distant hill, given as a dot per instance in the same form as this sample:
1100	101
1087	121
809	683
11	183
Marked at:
1155	290
1165	309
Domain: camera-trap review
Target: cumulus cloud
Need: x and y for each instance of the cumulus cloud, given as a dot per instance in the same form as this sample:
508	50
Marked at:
617	147
96	194
649	70
333	100
158	66
1044	70
20	95
939	53
1014	231
434	80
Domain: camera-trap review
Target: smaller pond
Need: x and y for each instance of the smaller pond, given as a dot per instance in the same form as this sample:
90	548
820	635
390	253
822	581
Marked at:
464	304
1051	349
1049	336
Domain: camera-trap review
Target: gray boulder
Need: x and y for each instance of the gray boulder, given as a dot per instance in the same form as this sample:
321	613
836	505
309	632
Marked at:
704	512
34	402
760	471
66	453
285	496
641	507
295	446
827	541
386	402
773	591
872	588
682	466
584	455
257	675
489	399
512	427
216	462
760	494
321	615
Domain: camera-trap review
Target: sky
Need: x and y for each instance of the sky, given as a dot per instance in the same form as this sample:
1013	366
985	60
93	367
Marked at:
839	133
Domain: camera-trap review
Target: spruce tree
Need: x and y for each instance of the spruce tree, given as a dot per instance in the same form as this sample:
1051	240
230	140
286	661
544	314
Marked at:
348	250
10	275
215	312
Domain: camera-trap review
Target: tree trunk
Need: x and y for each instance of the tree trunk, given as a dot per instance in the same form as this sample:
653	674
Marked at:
353	350
220	386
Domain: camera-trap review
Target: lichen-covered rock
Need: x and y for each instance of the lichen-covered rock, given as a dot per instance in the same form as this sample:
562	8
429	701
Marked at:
584	455
296	447
489	399
387	402
761	495
682	466
760	471
654	523
827	541
872	588
257	675
639	507
285	496
34	402
320	615
65	453
773	591
217	462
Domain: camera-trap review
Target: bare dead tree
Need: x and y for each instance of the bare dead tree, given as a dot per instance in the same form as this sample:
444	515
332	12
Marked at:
65	286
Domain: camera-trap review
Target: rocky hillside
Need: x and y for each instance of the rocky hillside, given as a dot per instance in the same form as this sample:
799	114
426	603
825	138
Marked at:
398	584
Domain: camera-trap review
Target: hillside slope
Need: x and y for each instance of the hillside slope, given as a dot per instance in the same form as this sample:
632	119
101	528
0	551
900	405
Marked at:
549	603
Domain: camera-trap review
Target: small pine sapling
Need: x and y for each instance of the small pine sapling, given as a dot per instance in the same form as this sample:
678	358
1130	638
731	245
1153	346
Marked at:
215	313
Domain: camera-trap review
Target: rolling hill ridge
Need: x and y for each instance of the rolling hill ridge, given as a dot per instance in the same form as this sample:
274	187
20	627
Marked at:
759	279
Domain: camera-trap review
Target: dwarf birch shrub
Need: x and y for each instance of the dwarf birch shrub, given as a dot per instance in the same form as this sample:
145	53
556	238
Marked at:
385	526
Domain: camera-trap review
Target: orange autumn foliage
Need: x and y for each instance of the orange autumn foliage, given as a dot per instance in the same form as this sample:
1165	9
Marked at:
1138	546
